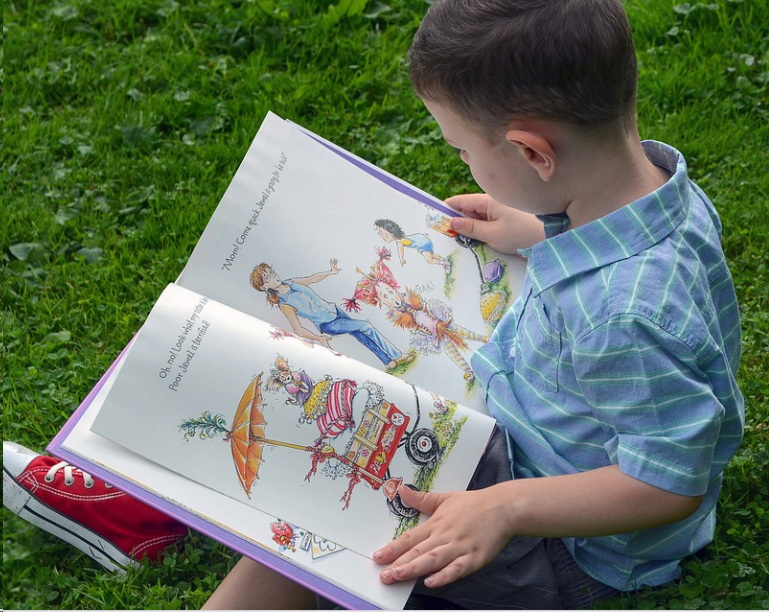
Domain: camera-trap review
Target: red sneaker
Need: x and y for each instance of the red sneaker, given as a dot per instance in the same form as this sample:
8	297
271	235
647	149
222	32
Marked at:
108	525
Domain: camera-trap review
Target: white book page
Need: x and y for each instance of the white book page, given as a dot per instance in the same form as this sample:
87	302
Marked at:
304	210
282	425
257	530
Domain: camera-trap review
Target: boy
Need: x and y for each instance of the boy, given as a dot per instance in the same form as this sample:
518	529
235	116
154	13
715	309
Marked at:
613	375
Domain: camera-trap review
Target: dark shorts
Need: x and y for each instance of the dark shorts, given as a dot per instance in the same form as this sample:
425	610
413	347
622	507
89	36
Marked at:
529	573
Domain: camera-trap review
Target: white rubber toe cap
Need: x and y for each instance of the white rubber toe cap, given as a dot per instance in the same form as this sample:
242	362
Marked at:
16	458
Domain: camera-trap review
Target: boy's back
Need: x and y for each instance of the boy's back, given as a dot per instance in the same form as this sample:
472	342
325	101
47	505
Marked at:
623	350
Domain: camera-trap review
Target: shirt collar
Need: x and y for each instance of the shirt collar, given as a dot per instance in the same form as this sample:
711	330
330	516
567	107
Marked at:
618	235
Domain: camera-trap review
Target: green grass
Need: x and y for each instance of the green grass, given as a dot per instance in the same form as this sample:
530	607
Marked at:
123	123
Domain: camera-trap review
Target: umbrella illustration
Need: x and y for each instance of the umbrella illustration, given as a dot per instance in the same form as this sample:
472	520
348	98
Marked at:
247	435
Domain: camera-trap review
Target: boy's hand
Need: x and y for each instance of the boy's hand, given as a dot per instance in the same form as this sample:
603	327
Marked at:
503	228
465	531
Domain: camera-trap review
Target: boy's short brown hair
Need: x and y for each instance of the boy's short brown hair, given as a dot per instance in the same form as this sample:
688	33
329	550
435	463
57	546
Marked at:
493	61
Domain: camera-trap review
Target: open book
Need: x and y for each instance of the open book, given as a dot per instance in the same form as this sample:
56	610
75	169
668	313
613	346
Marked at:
311	358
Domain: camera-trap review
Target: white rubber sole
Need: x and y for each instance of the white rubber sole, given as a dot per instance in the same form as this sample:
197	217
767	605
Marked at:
19	501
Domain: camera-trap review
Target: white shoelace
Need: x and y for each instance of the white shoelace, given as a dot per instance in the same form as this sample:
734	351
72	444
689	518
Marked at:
69	476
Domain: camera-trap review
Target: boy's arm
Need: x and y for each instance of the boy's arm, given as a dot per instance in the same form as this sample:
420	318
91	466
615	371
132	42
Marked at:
503	228
467	529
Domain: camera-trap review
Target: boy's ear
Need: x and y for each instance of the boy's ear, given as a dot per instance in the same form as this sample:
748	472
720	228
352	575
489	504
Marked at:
536	149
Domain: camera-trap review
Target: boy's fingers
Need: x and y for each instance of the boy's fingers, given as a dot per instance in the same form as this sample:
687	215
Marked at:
414	563
400	546
453	571
469	204
407	571
458	202
439	565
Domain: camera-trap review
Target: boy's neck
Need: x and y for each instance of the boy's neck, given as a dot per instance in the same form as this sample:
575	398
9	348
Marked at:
623	175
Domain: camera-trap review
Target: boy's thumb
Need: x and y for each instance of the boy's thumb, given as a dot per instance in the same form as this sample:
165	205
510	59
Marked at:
421	500
472	228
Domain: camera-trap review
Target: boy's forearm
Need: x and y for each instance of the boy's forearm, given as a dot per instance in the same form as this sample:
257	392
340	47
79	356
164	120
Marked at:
467	529
599	502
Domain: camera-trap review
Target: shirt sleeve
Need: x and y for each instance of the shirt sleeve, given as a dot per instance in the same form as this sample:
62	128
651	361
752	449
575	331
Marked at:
657	405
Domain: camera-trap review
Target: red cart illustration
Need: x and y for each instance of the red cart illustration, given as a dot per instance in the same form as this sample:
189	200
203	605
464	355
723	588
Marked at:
383	429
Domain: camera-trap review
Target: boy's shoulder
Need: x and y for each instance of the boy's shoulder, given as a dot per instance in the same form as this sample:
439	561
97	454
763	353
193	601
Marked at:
659	259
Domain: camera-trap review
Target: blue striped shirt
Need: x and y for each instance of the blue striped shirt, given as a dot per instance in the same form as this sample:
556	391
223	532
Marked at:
622	349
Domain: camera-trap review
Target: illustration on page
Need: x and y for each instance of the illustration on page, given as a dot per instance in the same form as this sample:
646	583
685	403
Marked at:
301	304
429	321
359	433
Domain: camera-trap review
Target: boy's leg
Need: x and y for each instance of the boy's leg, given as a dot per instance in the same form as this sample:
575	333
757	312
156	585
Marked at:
521	576
252	586
578	591
529	573
106	524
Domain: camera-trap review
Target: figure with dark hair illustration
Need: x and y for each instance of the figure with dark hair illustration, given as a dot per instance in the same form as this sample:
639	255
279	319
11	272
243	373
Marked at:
390	232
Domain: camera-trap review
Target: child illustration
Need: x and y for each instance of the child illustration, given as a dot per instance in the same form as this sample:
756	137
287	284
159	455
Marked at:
290	538
328	403
296	383
298	301
390	232
430	321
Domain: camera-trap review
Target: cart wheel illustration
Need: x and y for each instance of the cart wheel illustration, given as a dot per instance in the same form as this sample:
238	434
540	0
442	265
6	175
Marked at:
398	508
422	446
